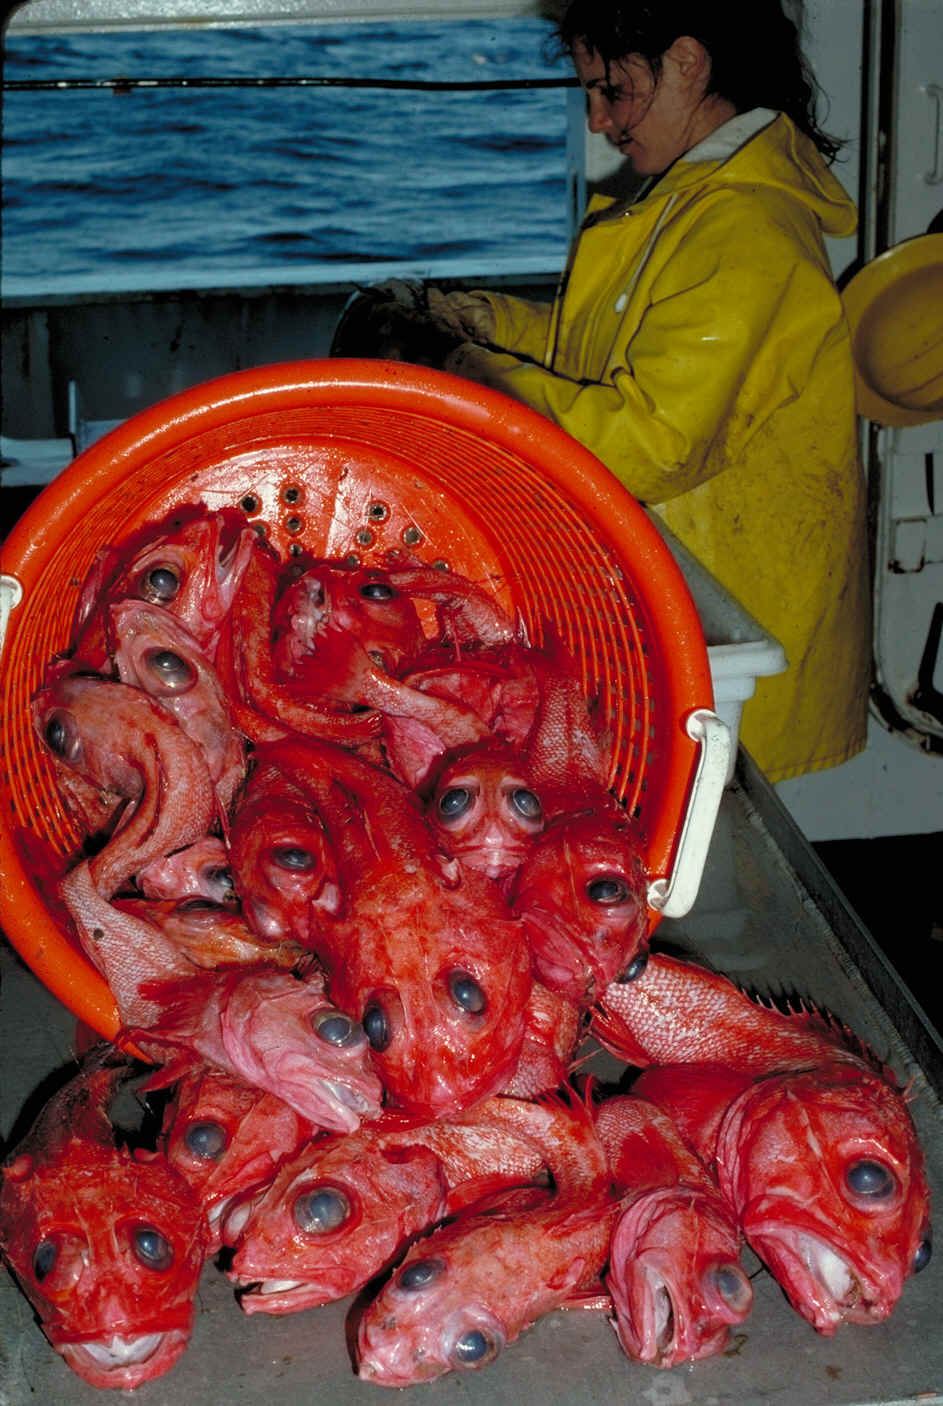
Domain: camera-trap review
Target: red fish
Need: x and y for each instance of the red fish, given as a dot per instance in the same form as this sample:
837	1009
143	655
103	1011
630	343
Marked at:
225	1138
674	1275
264	707
824	1172
332	607
156	652
677	1012
190	564
271	1028
209	934
120	741
200	870
263	1024
282	861
333	1216
580	893
343	1209
472	1286
466	614
107	1246
428	958
485	809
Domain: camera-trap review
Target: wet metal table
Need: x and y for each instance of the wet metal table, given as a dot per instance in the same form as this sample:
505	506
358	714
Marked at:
769	916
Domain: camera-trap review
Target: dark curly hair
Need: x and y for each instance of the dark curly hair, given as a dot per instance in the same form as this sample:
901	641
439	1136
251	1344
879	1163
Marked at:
756	60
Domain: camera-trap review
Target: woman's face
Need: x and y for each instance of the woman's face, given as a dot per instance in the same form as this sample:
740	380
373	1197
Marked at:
652	122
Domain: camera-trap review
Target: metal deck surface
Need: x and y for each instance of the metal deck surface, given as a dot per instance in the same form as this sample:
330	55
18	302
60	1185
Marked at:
769	916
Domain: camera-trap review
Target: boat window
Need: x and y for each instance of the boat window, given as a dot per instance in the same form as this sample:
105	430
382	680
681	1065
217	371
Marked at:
283	155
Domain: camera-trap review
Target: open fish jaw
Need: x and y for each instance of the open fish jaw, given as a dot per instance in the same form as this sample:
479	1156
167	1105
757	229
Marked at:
124	1362
823	1285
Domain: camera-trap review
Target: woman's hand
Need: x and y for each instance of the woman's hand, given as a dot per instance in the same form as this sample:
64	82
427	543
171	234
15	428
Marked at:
393	321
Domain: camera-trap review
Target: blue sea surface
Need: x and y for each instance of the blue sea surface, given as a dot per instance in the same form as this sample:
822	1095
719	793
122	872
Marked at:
170	186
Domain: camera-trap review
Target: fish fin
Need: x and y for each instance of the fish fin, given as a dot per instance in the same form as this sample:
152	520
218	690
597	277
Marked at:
476	1190
568	1280
172	1061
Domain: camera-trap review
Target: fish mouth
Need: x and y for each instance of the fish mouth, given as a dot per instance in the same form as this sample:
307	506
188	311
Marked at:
273	1297
821	1284
347	1106
674	1278
124	1362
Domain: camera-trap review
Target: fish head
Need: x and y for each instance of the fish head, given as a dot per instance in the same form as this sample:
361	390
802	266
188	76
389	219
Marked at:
428	1320
674	1276
485	810
359	602
283	1033
282	862
446	1019
191	566
201	870
827	1177
581	894
226	1137
334	1216
86	721
108	1247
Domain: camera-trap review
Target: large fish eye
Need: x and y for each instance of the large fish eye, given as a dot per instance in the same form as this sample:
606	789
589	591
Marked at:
634	969
44	1257
61	737
376	1027
474	1349
220	877
377	590
151	1248
335	1028
321	1210
454	802
419	1274
871	1179
173	671
294	858
466	993
607	891
206	1140
924	1253
733	1286
525	803
160	584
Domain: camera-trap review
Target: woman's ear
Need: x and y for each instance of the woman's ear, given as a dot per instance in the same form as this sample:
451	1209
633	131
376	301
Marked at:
691	59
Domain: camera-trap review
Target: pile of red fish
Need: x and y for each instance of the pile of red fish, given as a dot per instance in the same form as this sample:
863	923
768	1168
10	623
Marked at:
354	877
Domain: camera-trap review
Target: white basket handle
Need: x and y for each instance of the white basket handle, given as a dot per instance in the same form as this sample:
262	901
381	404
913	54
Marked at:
674	896
11	593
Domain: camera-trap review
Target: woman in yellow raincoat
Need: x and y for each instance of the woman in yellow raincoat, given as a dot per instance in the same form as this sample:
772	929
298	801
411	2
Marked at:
698	345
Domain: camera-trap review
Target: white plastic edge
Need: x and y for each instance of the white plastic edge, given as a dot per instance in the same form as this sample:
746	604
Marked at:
674	896
11	593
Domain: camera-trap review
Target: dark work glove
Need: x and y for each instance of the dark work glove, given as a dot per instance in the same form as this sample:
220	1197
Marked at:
393	321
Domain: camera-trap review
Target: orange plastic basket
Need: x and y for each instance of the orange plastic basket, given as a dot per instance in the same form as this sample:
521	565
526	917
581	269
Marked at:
356	458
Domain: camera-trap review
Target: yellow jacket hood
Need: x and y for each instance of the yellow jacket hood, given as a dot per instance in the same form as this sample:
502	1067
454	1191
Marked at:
775	155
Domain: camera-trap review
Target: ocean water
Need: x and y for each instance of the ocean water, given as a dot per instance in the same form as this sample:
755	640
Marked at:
165	186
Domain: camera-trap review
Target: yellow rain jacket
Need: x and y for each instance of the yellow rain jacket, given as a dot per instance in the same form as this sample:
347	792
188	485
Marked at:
699	349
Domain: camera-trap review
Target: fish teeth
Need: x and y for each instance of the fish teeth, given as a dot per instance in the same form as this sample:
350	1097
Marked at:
277	1286
829	1268
348	1097
119	1352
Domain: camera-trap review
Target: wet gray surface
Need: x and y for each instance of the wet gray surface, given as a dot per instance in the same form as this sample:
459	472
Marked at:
755	919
